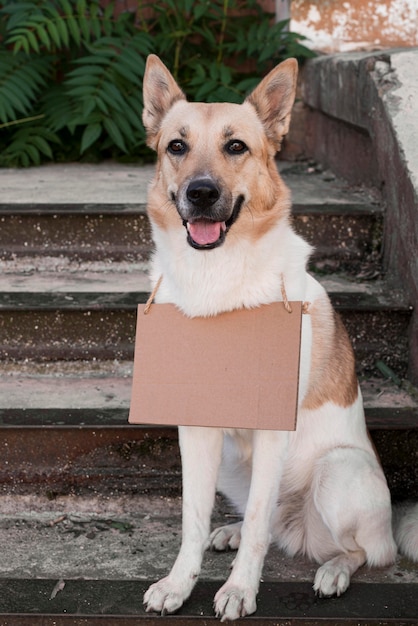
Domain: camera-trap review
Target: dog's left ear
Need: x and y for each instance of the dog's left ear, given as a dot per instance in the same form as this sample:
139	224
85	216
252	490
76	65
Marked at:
273	99
160	93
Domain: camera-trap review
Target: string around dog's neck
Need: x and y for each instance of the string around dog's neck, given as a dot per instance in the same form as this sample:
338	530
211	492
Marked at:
152	295
286	303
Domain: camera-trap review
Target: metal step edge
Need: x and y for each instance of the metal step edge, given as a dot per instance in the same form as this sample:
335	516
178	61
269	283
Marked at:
119	602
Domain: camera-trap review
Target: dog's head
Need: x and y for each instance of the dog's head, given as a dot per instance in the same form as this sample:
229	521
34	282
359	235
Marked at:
216	165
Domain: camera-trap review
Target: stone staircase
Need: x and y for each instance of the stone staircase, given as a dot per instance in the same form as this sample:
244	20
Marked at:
74	245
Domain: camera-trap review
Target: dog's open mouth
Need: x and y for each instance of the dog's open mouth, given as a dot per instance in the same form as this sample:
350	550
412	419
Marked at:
206	234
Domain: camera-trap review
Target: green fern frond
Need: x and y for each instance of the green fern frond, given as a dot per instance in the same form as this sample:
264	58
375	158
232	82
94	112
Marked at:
72	70
57	23
22	79
58	108
103	84
28	147
91	134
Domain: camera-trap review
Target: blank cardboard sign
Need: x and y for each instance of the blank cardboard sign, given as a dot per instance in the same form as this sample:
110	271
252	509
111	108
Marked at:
236	370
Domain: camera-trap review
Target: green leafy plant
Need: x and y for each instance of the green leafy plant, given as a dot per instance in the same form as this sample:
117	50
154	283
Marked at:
71	70
218	50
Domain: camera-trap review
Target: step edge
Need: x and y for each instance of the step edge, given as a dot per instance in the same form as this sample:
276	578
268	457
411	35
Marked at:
128	300
337	209
377	418
386	603
76	208
298	209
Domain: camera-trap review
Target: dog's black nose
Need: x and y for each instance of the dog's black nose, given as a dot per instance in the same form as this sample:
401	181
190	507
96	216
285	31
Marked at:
202	192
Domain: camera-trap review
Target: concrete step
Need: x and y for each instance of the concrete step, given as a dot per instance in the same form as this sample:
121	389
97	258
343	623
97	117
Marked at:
64	428
90	506
76	560
98	212
48	394
51	310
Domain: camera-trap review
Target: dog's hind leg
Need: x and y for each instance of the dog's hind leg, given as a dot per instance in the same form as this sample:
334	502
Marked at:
201	454
353	500
237	597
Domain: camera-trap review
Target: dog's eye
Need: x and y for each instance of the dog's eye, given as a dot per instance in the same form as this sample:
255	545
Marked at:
235	146
177	147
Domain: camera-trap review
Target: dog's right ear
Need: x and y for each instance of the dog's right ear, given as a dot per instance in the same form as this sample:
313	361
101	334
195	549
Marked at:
160	92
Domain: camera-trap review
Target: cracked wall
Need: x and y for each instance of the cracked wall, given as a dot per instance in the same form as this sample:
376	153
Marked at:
335	25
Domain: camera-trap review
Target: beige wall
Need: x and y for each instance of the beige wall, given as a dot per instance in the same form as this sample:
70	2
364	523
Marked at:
342	25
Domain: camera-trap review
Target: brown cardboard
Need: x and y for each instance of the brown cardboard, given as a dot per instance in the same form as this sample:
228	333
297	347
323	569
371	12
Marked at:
236	370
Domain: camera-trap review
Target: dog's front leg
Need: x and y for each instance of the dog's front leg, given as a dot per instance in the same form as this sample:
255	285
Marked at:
201	450
237	597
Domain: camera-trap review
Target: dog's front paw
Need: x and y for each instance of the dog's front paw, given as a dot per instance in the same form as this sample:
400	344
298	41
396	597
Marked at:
232	602
164	597
331	579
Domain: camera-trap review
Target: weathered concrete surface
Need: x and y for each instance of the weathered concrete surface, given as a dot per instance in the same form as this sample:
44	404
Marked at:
363	124
115	183
107	385
44	274
107	183
54	212
126	538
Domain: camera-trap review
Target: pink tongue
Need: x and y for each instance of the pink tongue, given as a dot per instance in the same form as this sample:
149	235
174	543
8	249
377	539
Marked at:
204	232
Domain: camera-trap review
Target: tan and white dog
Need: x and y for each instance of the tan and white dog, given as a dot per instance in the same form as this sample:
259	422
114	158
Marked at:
220	217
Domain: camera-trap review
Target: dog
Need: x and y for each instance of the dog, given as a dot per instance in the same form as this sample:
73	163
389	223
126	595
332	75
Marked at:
220	217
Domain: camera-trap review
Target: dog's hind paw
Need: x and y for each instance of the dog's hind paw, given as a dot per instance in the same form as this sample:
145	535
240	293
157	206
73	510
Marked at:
331	580
231	602
163	597
333	577
226	537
